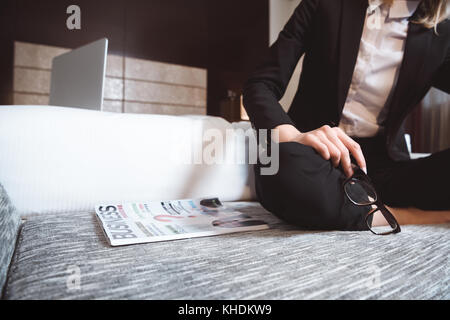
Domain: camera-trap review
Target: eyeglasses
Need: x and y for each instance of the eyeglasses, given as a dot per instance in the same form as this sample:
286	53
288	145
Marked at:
361	192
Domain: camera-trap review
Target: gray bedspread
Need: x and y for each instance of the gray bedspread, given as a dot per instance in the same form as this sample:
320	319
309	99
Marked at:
66	256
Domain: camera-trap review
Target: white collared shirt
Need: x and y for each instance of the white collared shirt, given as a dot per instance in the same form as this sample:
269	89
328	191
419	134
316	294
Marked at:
377	66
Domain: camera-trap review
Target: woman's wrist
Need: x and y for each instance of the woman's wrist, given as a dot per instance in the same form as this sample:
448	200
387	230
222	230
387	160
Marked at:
287	133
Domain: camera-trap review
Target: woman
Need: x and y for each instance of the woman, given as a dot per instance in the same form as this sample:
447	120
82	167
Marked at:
366	65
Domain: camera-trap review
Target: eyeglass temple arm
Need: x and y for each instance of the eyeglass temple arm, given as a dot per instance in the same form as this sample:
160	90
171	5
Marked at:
389	217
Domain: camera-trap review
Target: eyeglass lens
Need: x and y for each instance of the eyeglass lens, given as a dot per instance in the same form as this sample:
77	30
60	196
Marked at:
360	192
379	224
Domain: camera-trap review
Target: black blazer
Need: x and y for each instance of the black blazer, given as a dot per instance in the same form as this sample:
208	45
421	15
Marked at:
328	32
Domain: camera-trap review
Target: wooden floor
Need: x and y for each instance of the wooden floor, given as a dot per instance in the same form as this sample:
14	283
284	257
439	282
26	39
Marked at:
416	216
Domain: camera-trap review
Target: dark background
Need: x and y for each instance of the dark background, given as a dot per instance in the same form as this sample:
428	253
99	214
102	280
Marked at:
227	37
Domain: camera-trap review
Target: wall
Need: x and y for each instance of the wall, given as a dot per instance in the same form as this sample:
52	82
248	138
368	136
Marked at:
131	85
429	123
238	35
7	14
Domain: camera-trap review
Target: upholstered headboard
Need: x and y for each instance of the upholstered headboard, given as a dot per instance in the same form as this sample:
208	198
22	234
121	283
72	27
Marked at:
132	85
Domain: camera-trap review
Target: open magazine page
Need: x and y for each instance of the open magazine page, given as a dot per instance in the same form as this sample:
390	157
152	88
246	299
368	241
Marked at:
152	221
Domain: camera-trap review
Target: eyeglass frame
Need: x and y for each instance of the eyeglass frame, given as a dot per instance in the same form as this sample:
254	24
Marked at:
379	205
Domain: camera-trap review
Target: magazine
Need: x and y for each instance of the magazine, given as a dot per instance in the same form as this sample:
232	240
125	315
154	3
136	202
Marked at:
142	222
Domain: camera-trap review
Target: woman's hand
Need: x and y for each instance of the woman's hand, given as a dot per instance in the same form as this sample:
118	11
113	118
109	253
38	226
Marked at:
331	143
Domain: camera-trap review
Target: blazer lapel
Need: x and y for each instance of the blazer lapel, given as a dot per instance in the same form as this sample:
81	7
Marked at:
418	41
352	25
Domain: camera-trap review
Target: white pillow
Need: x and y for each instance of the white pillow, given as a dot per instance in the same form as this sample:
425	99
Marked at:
55	159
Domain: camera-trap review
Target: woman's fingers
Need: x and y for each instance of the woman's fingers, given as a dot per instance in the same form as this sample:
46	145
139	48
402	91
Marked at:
354	149
334	145
345	160
335	152
313	141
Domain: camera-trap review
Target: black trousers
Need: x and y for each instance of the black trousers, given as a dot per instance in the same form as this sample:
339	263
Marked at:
307	190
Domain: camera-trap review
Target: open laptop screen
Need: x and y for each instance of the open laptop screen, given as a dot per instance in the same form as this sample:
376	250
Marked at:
78	77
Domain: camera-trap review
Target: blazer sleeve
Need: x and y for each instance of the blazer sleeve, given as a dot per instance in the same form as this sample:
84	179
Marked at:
267	85
442	78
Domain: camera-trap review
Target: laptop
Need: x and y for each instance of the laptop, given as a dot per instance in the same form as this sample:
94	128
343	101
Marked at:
78	77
